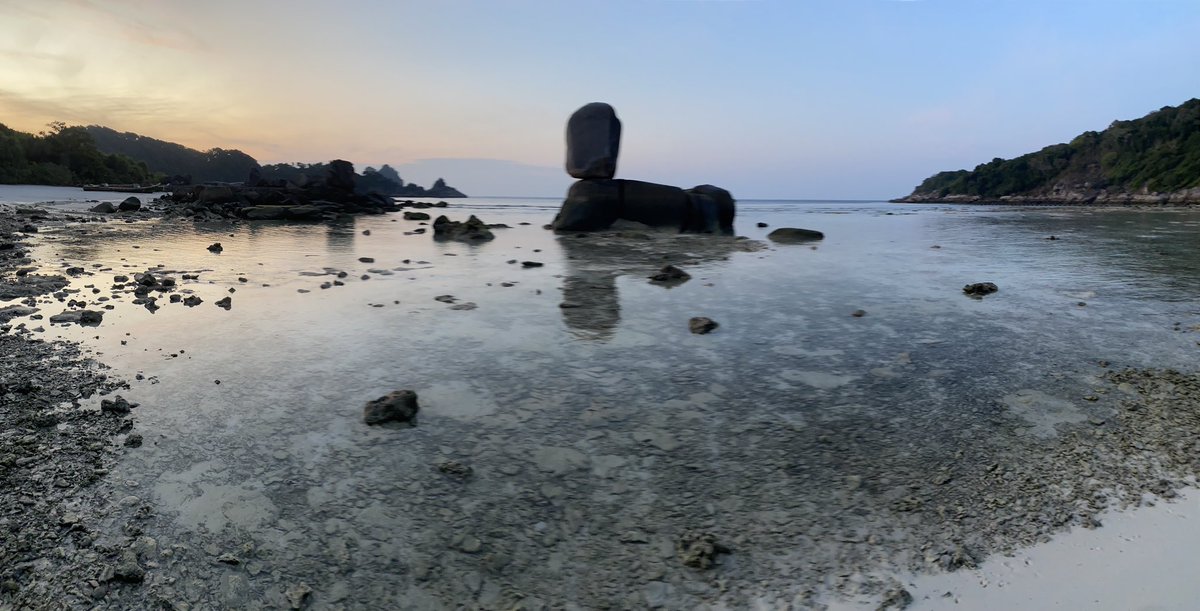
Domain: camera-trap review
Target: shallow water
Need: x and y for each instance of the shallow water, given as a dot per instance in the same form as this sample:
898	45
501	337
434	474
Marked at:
597	434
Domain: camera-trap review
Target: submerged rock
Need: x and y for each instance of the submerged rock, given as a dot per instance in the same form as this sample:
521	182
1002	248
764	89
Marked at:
792	235
701	325
670	274
396	406
215	247
979	289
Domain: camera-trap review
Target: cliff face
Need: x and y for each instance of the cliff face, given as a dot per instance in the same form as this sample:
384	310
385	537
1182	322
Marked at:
1151	160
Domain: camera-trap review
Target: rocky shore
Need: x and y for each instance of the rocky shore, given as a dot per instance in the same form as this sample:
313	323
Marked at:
1064	196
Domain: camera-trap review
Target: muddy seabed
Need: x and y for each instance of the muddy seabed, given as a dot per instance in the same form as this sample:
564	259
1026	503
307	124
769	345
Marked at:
596	455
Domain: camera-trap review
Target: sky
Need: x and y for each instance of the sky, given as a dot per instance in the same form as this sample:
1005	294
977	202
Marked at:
842	99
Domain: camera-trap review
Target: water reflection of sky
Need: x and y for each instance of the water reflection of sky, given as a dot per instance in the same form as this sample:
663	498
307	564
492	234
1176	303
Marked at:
606	414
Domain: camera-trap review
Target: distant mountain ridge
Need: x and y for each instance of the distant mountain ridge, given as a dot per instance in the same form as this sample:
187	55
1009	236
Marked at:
1151	160
234	166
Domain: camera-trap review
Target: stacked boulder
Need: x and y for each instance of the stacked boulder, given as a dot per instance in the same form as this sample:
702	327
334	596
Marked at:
597	200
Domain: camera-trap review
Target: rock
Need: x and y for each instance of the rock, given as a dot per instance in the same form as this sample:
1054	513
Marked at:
90	318
134	440
103	208
725	210
701	325
858	313
979	289
593	141
192	301
655	205
128	569
590	205
471	230
416	216
760	224
793	235
298	595
528	264
225	303
397	406
699	550
455	469
267	213
895	598
9	312
130	204
366	260
670	274
117	405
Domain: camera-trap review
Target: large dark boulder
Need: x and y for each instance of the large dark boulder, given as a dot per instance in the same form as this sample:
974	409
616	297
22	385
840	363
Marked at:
593	141
590	205
130	204
725	207
654	204
103	208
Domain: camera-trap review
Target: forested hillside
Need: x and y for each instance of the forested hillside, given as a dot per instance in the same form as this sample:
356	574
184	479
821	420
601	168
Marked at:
63	156
1156	156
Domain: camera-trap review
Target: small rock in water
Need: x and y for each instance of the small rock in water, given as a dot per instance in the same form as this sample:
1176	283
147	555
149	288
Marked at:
858	313
215	247
192	301
762	224
792	235
670	273
225	303
133	441
701	325
531	264
397	406
455	469
979	289
366	260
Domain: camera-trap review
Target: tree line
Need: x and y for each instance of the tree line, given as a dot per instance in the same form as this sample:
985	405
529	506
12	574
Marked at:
64	156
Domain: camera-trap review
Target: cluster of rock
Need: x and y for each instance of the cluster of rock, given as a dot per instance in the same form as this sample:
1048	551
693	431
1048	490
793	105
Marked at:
260	200
597	199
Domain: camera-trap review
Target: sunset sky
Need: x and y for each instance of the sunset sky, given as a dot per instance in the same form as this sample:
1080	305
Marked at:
787	98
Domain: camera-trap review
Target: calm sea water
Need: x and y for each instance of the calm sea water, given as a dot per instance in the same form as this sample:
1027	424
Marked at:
585	424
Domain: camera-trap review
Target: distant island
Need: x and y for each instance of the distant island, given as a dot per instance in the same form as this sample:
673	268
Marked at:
1151	160
66	155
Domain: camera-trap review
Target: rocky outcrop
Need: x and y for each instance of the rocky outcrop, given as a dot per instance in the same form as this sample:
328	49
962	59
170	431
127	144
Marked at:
317	200
593	141
598	200
471	230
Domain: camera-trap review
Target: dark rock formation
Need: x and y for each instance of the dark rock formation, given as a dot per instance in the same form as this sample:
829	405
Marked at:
471	230
593	141
597	201
87	318
397	406
341	175
416	216
117	405
793	235
103	208
131	204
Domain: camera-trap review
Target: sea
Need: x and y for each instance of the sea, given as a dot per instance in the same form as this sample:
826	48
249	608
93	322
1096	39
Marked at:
573	431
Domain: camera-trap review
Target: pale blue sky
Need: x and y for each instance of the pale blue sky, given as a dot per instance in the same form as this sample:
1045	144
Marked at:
788	98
